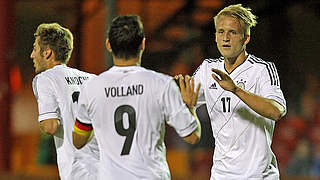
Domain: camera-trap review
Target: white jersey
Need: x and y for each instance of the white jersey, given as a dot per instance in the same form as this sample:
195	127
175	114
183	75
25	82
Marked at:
57	91
242	137
128	108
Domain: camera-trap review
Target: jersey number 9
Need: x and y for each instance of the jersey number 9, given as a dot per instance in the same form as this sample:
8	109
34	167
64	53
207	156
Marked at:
129	132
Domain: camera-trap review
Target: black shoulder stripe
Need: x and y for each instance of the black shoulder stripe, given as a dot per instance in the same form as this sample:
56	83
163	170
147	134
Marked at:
273	73
250	61
209	60
276	73
269	68
214	60
195	72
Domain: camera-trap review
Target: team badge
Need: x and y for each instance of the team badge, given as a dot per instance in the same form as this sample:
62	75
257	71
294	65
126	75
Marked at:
241	83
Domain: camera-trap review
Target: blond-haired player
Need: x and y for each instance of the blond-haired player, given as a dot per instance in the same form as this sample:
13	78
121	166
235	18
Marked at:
244	101
56	88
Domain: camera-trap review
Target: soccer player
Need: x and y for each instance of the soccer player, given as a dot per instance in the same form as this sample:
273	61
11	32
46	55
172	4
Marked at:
128	107
244	101
56	88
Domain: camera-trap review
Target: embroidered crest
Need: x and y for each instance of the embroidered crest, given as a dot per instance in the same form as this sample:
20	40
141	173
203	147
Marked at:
241	83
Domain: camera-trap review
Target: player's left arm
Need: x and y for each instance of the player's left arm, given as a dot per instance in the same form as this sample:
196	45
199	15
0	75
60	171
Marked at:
266	107
82	134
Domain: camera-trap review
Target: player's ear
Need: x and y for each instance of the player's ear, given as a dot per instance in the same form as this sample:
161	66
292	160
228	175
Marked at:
47	53
215	36
143	44
108	45
246	39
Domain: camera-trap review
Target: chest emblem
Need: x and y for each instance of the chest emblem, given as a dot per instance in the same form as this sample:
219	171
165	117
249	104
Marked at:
241	83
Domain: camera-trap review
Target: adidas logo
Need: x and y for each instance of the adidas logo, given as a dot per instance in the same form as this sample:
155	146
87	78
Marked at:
213	86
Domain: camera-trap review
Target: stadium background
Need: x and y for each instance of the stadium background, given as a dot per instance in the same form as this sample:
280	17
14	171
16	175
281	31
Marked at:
180	34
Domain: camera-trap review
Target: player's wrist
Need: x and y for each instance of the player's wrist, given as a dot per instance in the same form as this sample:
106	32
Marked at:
236	90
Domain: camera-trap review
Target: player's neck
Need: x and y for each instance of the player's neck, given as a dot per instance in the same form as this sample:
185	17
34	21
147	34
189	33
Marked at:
126	62
232	63
53	63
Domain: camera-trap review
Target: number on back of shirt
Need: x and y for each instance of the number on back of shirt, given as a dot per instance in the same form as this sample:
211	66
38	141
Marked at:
75	96
121	130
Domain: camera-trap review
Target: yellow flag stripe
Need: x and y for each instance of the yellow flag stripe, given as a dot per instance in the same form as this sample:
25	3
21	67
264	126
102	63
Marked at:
81	132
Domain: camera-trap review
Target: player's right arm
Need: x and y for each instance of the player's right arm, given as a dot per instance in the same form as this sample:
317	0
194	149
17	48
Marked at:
195	136
266	107
43	88
190	97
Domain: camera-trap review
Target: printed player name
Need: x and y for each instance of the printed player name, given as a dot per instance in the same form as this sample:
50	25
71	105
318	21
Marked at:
76	80
124	91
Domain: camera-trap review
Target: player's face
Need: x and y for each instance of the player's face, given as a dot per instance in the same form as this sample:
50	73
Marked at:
230	37
39	61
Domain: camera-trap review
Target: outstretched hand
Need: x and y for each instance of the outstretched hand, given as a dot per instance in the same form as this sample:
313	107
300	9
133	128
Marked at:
224	80
186	85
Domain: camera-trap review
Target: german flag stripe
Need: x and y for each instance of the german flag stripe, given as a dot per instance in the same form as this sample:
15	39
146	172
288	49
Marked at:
83	126
81	132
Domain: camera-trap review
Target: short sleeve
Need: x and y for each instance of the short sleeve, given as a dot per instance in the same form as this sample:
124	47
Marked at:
82	109
43	89
177	114
270	85
198	78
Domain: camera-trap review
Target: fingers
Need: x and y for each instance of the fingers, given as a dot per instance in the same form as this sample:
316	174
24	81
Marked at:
215	77
187	82
221	74
195	97
198	89
176	77
188	93
192	83
217	71
181	83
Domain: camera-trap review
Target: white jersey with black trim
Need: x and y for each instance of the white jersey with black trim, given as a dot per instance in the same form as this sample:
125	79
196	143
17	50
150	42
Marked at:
128	108
242	137
57	91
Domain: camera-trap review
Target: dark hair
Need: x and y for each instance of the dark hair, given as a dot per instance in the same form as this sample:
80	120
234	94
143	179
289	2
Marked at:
57	38
125	36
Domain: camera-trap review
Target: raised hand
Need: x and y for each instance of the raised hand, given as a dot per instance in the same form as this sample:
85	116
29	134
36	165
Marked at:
224	80
188	94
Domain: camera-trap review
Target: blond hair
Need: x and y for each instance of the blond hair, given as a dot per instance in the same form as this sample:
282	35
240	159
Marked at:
244	15
57	38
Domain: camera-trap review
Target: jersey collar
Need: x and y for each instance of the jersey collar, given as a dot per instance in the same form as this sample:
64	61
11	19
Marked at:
245	65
